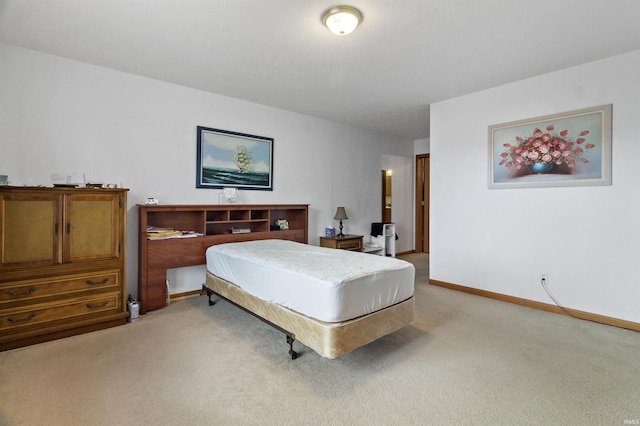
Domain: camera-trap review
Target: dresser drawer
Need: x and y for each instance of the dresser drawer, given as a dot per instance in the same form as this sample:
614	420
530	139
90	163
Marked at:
352	244
16	318
33	291
348	242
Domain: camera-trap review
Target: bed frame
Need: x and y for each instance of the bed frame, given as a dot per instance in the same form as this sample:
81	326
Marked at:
330	340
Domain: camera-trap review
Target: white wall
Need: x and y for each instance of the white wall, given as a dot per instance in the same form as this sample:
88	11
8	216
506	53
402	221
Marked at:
500	240
59	115
421	146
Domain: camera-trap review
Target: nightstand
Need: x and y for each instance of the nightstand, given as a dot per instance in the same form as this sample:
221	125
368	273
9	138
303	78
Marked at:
348	242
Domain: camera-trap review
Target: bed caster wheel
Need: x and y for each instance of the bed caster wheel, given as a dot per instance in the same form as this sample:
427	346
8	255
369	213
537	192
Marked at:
293	354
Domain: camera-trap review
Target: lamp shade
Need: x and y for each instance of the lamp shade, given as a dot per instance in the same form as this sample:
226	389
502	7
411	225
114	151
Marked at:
341	214
342	20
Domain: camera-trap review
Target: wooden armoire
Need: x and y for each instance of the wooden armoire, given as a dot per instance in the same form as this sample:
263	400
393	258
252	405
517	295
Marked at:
62	262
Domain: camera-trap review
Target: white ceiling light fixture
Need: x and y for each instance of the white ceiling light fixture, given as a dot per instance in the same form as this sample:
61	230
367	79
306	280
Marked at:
342	20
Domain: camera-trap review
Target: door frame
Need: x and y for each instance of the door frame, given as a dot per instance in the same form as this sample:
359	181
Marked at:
422	199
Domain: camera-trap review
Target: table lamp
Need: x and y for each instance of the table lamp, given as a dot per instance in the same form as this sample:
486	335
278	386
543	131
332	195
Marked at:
340	215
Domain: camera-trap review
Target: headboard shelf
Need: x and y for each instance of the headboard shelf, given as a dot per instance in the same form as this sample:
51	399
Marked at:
213	224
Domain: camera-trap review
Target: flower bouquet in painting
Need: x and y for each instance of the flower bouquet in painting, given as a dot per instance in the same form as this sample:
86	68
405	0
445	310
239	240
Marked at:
546	152
572	148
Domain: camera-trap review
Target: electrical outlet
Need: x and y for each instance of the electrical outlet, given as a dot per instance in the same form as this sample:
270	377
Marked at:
544	276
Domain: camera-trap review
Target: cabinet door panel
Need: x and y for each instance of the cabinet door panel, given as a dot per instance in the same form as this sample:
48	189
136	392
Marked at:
29	229
92	224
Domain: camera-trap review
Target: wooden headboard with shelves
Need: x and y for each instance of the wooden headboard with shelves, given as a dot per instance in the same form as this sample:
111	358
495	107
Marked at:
213	224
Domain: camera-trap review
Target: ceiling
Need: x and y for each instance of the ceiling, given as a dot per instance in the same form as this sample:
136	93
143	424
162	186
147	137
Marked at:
406	55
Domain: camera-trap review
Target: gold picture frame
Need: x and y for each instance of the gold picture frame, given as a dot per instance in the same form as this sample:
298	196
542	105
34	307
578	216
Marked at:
566	149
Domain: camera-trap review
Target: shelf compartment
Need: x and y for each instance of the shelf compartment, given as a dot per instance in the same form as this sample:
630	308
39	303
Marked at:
239	214
218	228
260	214
178	220
217	215
297	218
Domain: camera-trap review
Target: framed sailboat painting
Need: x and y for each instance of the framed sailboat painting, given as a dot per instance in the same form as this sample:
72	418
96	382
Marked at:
228	159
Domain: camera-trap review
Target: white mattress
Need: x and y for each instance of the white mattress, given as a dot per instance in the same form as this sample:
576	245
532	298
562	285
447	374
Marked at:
326	284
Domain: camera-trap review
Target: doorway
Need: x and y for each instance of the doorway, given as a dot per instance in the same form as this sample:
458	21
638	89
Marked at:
386	196
422	203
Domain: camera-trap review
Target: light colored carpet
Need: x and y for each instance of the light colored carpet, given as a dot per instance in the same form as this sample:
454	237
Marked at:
465	360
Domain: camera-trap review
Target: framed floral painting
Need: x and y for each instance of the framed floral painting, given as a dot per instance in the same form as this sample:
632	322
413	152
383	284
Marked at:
567	149
228	159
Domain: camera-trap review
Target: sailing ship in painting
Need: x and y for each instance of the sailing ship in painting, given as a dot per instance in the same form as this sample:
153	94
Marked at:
243	160
229	159
243	175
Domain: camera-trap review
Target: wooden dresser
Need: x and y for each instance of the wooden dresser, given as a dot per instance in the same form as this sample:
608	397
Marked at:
211	224
62	262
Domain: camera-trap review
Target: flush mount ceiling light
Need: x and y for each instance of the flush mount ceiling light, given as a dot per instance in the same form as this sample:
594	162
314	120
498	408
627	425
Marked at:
342	20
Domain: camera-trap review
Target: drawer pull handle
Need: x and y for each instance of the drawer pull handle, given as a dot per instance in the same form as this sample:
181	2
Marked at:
26	293
101	305
104	281
12	320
